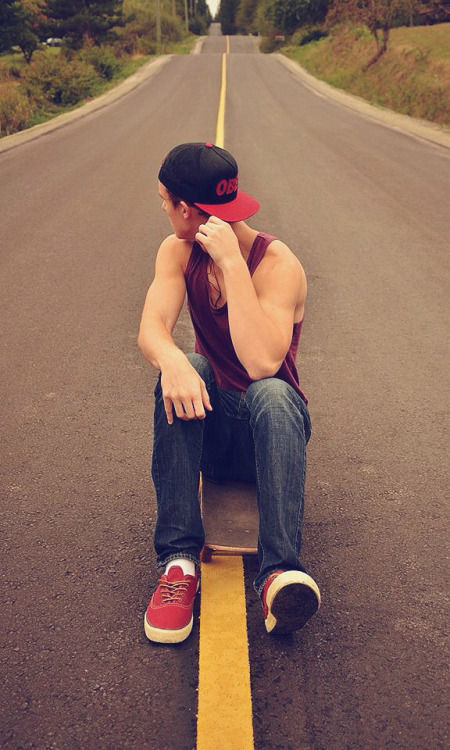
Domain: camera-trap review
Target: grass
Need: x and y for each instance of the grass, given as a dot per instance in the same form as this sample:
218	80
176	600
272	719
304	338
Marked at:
17	60
432	39
184	47
412	77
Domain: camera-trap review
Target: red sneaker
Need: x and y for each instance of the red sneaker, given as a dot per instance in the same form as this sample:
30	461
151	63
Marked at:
169	615
289	598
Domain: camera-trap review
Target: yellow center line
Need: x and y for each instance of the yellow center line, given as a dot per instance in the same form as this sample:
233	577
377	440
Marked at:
224	718
220	127
224	696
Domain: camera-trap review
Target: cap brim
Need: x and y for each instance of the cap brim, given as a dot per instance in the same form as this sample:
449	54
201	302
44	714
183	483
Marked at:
241	208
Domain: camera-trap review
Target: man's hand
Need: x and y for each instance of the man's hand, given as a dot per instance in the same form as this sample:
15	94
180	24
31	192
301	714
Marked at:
218	240
184	390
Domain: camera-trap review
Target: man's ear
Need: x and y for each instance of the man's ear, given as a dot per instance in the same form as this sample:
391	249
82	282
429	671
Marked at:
185	209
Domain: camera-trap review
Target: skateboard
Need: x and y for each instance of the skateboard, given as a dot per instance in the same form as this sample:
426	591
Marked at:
230	518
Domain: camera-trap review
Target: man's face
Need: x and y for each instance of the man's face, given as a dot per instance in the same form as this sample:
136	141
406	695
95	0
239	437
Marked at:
183	219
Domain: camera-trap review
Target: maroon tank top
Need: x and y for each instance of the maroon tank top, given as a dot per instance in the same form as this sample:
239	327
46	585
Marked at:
212	331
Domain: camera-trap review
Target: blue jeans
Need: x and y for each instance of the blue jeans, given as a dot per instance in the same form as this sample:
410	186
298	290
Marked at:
259	435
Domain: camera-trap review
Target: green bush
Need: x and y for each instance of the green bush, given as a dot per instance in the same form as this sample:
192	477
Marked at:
16	110
128	40
171	28
59	81
308	34
198	25
146	46
102	60
4	73
139	34
313	36
270	44
15	71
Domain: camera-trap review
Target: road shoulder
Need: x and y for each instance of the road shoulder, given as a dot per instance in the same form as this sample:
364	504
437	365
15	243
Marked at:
417	128
144	73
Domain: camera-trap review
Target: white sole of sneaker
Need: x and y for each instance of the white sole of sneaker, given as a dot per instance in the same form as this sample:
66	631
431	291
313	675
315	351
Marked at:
158	635
292	599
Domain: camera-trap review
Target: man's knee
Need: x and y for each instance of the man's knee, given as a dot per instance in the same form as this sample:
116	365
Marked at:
277	402
270	392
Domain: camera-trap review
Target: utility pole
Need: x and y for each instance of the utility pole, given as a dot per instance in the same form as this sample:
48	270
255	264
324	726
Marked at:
158	25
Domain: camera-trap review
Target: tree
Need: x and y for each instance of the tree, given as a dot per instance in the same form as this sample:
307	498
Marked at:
289	15
227	16
8	14
20	25
245	16
378	15
433	11
80	20
199	16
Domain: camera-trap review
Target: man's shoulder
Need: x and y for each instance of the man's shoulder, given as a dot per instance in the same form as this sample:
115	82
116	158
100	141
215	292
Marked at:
172	242
278	253
175	250
280	269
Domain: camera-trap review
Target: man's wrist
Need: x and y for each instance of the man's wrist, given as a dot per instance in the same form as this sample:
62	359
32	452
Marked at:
169	357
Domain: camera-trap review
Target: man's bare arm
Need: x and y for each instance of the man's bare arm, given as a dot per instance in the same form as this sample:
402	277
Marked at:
261	313
262	309
183	389
162	306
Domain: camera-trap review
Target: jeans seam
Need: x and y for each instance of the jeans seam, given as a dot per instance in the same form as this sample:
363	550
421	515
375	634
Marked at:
258	484
298	536
156	479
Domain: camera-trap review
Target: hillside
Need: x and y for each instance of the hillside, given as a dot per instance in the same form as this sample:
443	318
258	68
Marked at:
413	77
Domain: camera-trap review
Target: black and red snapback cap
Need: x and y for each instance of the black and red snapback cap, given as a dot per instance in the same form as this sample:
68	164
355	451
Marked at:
207	176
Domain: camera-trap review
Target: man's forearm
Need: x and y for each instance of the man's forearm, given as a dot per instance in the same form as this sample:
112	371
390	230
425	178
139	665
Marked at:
157	345
184	392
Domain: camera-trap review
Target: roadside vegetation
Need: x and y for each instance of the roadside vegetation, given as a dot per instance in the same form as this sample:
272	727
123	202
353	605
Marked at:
394	53
412	77
56	55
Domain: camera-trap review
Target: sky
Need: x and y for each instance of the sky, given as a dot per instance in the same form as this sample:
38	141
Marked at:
213	5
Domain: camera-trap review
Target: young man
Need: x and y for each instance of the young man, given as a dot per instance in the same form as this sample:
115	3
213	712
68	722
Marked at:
234	409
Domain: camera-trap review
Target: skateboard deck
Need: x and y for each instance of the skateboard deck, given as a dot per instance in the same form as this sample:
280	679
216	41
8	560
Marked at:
230	518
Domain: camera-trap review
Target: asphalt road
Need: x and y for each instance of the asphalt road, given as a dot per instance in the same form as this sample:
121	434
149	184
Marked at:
366	209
